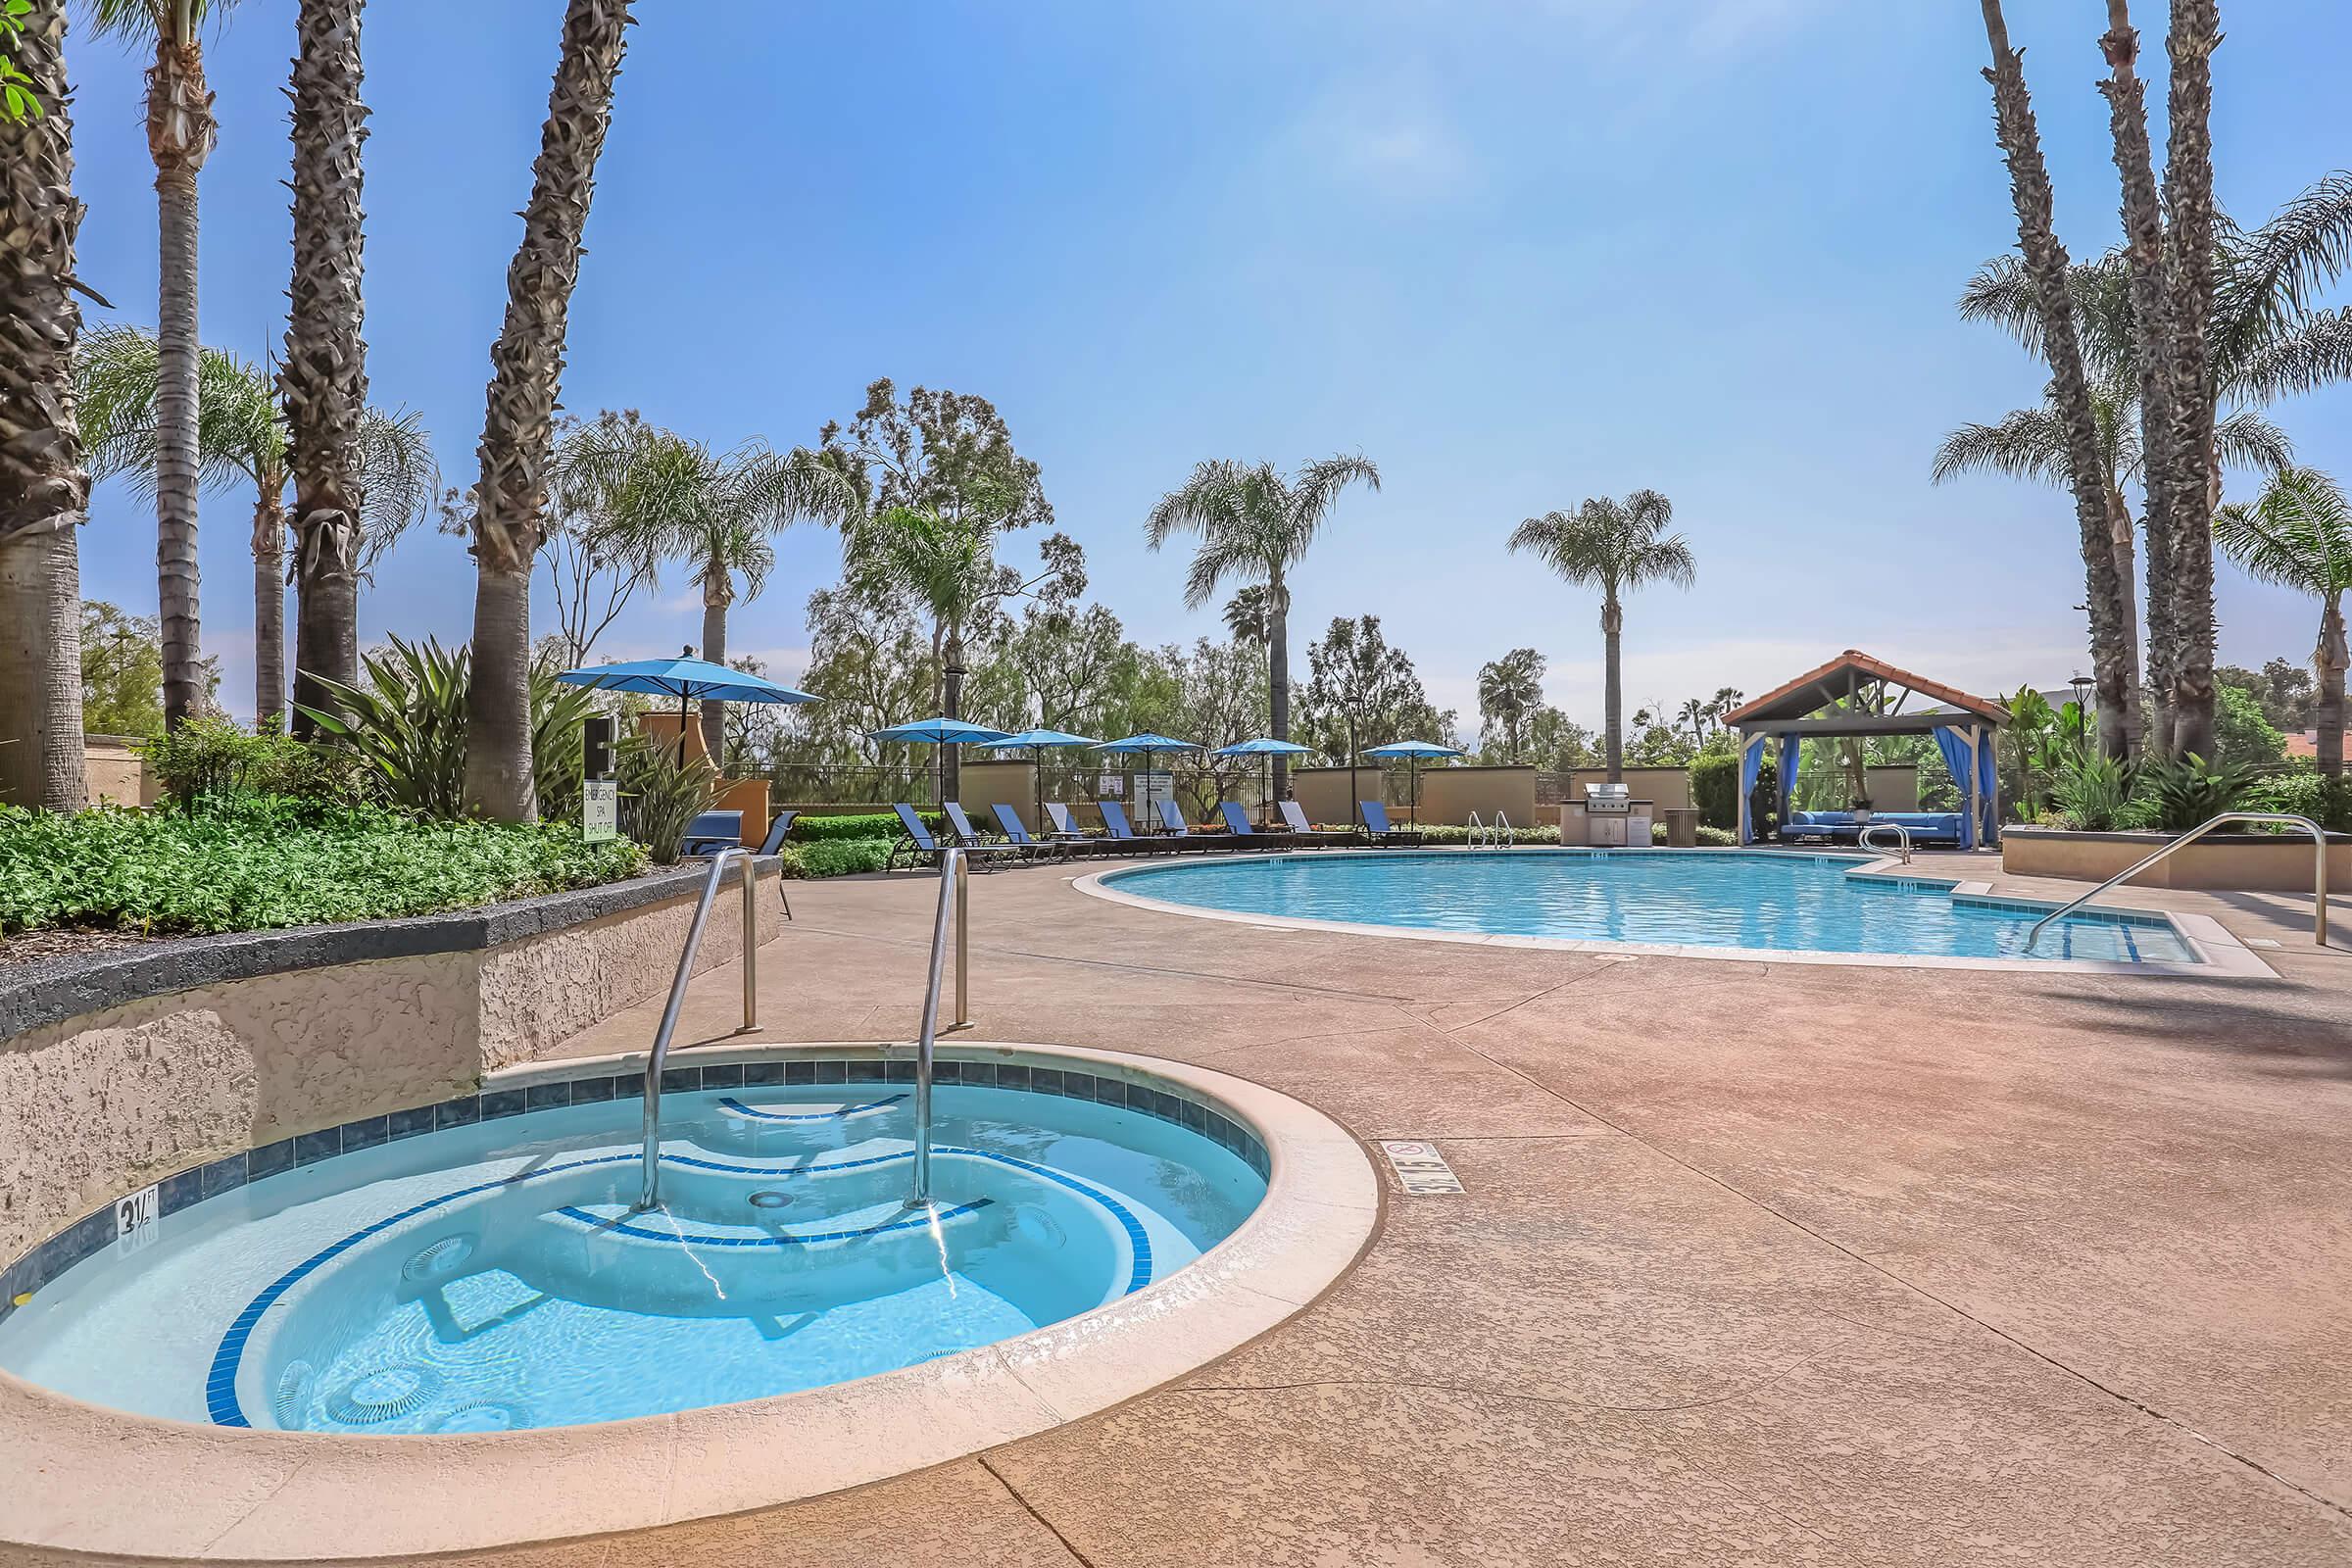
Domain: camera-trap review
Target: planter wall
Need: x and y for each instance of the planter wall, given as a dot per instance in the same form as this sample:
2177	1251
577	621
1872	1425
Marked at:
2241	862
120	1068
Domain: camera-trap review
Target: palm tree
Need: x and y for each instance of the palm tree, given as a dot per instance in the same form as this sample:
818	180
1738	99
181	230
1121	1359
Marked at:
1254	525
181	132
1246	615
2299	535
2108	592
1508	690
510	501
241	440
44	488
322	385
715	509
1617	547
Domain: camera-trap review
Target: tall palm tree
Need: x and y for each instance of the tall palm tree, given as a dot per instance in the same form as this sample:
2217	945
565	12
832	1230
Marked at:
2299	535
44	488
241	441
1254	525
2108	593
510	501
2192	476
181	132
1617	547
1508	690
322	384
717	511
1246	615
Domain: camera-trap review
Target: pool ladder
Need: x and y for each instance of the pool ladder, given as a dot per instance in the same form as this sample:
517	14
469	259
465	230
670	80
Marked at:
2318	869
1496	836
650	1187
1902	836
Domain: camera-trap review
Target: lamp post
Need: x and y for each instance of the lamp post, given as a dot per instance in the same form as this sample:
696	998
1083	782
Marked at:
2080	684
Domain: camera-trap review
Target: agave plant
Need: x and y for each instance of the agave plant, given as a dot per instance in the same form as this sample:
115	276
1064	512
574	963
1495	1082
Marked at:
2189	792
662	795
2096	792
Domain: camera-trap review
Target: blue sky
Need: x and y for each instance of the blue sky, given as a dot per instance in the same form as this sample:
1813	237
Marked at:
1518	252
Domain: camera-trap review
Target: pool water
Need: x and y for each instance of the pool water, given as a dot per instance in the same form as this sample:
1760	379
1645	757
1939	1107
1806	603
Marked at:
495	1276
1774	901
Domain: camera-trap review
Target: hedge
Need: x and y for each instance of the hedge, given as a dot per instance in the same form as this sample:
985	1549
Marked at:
1715	788
861	825
835	858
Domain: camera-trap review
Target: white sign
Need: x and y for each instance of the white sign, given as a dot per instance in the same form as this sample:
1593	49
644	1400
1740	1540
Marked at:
1111	785
1420	1169
136	1219
600	810
1154	787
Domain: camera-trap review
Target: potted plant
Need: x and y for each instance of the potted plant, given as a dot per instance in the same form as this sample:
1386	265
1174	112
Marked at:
1861	809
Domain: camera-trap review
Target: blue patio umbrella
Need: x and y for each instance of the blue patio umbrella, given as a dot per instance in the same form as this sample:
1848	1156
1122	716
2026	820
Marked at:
683	677
1037	740
1412	752
940	732
1267	747
1145	744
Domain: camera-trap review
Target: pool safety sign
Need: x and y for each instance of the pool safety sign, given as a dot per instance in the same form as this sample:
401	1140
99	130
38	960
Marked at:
600	810
1420	1169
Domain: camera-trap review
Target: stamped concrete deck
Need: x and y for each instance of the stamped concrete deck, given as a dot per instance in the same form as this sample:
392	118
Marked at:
1758	1263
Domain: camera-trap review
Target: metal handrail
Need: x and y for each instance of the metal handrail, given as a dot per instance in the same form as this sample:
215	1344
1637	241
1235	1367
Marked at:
952	886
1903	849
650	1189
1504	834
2319	881
1477	828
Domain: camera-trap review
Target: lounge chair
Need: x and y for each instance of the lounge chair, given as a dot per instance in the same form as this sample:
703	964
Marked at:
780	825
1312	834
1065	828
1114	822
1238	821
1016	832
918	844
969	837
711	832
1376	823
1181	833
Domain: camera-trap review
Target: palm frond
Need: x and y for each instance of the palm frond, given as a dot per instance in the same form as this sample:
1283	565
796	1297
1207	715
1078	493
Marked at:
2024	444
2315	352
2247	440
2298	535
400	481
2273	270
1314	492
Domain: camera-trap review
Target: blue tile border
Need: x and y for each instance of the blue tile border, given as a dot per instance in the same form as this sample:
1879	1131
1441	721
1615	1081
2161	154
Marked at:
183	1190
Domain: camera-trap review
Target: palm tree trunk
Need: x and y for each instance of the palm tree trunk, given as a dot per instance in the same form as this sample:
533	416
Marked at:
179	135
268	608
2193	470
44	487
1278	675
718	590
2144	244
518	426
2069	387
1612	705
323	382
2119	532
2333	655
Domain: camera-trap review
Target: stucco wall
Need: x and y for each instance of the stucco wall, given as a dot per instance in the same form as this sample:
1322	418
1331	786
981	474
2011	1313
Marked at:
2279	864
115	770
101	1103
1451	794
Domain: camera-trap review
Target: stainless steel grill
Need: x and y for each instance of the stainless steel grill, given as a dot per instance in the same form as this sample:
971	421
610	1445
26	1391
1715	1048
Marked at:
1608	800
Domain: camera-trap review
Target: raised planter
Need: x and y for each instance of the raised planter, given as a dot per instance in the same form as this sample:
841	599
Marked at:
2226	861
120	1068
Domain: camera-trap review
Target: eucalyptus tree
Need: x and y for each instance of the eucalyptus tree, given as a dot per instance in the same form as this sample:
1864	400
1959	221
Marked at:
1509	689
509	500
181	133
44	486
1254	525
1363	691
717	511
1616	547
241	441
322	384
2299	535
595	565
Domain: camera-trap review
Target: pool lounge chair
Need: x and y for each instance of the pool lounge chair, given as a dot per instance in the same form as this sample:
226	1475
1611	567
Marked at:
1064	829
969	837
1180	832
777	827
1124	836
1238	821
918	845
1295	816
1017	833
711	832
1376	824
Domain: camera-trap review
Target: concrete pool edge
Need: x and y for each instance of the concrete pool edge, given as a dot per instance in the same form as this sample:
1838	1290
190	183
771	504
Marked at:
2219	952
109	1483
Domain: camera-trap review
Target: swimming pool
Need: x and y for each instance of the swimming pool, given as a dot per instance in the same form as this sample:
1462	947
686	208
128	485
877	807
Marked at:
1772	902
484	1269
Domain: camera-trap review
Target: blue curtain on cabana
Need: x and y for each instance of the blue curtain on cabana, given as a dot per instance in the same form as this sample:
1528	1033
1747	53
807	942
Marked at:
1751	768
1955	749
1787	774
1988	789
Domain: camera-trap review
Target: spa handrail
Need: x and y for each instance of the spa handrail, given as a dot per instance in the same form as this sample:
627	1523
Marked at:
1504	834
954	887
649	1187
1477	828
1862	839
2319	880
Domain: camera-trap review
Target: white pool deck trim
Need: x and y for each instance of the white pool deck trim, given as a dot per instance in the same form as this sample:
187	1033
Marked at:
2219	952
88	1479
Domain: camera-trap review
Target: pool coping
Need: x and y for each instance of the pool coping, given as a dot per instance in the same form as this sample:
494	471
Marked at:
2220	953
197	1492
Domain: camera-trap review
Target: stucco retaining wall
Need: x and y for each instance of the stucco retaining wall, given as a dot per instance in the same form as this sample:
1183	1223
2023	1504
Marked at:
2224	862
118	1070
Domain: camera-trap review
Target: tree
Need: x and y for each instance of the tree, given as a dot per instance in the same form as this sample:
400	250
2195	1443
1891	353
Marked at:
1254	525
241	440
2299	536
2284	688
121	672
180	132
594	566
677	498
1362	691
44	487
1617	547
1071	665
1509	689
322	385
1215	694
2108	592
867	658
1248	615
509	500
1556	742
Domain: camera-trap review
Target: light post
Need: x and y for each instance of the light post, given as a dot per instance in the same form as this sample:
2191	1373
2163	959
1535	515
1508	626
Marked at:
2080	684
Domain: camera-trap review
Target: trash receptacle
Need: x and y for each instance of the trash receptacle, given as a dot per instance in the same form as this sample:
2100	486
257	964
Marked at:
1682	827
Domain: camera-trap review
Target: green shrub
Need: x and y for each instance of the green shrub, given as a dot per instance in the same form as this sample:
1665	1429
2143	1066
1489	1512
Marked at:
660	796
2095	794
1715	788
260	863
835	857
859	825
2307	792
2189	792
1716	838
1448	833
209	760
